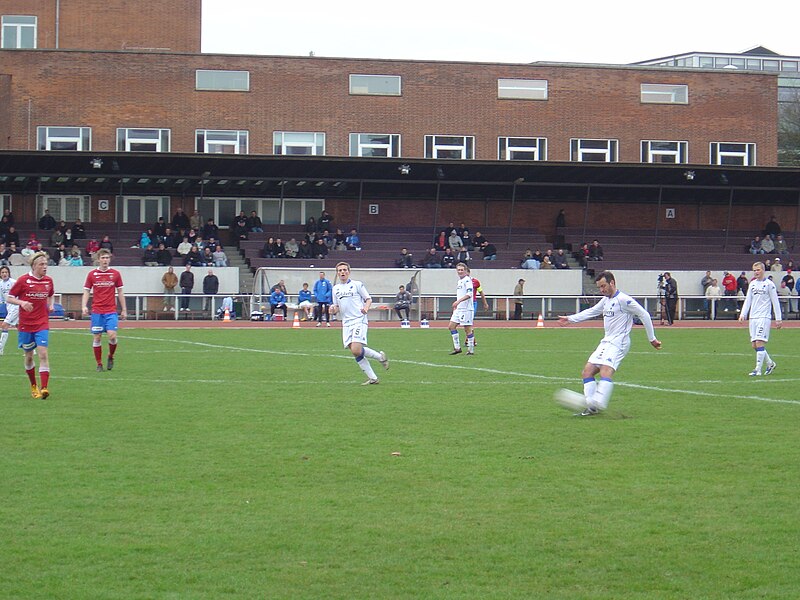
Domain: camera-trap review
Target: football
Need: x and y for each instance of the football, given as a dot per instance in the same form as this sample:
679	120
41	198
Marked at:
570	400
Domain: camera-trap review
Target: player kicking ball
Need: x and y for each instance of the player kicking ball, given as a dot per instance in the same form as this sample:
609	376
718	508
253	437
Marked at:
352	301
105	285
759	305
618	311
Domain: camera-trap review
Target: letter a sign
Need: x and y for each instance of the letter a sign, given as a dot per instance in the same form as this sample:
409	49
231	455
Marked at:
670	213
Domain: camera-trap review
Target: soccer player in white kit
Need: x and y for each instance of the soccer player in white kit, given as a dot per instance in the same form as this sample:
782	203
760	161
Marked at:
760	303
352	301
463	311
12	314
618	310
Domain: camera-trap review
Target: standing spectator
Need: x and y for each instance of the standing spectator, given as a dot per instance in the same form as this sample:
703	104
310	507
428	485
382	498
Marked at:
772	228
210	288
105	286
518	298
705	282
180	221
712	293
788	279
254	223
759	306
196	220
742	283
729	287
47	222
240	229
170	281
187	284
8	216
323	292
325	221
11	310
671	296
402	304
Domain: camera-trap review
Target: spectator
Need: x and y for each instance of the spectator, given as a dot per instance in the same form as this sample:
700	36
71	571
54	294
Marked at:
292	248
546	264
47	222
402	304
210	230
519	292
196	220
240	230
92	246
4	225
528	256
78	230
8	216
561	219
742	283
75	259
254	223
219	257
405	260
208	257
340	240
146	239
582	255
210	288
432	260
149	258
278	248
170	281
772	228
788	279
466	240
163	255
489	251
311	229
304	250
106	243
170	239
192	237
784	296
440	242
767	245
448	259
187	284
277	301
304	302
776	266
713	293
325	221
780	245
159	227
268	251
729	287
12	236
548	254
5	253
595	251
184	247
755	246
560	259
478	240
353	241
670	296
194	258
56	239
180	220
705	282
457	246
320	249
323	292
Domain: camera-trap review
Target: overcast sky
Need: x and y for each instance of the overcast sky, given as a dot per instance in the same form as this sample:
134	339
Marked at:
621	31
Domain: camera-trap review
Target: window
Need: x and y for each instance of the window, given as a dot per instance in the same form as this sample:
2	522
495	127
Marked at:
64	138
657	93
143	140
222	81
733	153
5	202
789	65
66	208
664	152
375	85
771	65
299	143
450	146
522	89
593	150
19	32
291	212
210	141
145	209
754	64
521	148
385	145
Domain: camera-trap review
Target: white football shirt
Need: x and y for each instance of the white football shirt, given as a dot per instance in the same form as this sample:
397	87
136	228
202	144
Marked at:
350	298
618	313
463	288
5	287
761	300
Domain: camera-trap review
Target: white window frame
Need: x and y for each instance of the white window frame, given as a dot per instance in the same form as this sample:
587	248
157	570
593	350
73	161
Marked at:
651	149
721	153
436	144
311	143
360	84
5	203
8	25
361	142
522	89
221	80
508	146
47	135
162	204
664	93
217	141
159	139
581	148
65	207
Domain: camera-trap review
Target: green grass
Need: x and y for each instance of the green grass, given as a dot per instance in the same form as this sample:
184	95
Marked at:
251	464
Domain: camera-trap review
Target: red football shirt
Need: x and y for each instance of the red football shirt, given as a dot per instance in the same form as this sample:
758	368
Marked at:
103	285
36	291
475	285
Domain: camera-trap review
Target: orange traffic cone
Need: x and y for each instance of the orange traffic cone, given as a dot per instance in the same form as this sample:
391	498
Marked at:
296	322
227	317
540	321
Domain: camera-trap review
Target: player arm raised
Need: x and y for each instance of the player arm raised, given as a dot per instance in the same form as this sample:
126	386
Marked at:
584	315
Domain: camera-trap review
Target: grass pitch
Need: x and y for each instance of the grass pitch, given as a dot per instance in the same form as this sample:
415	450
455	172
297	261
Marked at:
251	464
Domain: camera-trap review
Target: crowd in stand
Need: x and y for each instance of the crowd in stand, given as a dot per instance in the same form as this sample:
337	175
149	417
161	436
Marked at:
60	240
319	241
770	241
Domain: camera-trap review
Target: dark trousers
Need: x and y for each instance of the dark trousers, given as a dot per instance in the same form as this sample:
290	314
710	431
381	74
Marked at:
322	309
400	312
517	312
672	305
274	307
186	292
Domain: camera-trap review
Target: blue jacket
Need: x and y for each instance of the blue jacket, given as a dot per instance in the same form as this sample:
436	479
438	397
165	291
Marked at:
323	291
304	295
277	297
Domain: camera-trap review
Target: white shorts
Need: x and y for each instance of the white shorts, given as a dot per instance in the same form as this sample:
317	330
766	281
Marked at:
355	332
759	329
12	317
305	304
463	316
608	355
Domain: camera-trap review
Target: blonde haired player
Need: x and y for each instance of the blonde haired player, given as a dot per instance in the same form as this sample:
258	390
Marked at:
463	311
760	303
351	301
12	311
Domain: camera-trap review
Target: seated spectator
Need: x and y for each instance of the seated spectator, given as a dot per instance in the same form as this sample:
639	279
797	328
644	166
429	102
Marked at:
254	223
47	222
755	246
78	230
75	259
466	240
149	258
239	228
440	242
329	240
92	246
277	301
4	225
448	259
457	246
304	250
776	267
311	229
713	296
163	255
201	244
780	245
432	260
170	239
159	227
33	244
56	239
304	302
184	247
191	235
489	251
194	258
529	261
549	255
279	249
106	243
560	259
4	254
320	249
12	236
208	257
767	245
146	239
210	230
595	251
292	248
220	258
402	304
268	251
340	240
405	260
546	264
478	240
353	241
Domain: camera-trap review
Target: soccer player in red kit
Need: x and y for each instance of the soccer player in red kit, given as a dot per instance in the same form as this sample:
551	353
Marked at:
33	293
105	285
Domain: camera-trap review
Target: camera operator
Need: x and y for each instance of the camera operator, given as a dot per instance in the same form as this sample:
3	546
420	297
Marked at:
670	296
